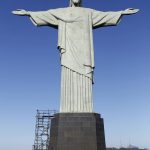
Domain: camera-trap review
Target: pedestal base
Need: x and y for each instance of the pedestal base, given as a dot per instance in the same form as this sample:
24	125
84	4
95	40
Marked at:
77	131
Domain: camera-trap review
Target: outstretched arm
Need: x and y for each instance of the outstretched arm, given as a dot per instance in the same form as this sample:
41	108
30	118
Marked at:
101	19
40	18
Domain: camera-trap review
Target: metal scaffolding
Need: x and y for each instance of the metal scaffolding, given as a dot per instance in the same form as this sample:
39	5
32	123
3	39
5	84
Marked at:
42	129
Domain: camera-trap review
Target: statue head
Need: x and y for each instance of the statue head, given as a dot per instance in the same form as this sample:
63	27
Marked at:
75	3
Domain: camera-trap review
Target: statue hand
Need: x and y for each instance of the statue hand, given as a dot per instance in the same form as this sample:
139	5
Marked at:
21	12
130	11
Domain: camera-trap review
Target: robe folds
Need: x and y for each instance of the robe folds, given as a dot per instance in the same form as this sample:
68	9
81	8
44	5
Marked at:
75	42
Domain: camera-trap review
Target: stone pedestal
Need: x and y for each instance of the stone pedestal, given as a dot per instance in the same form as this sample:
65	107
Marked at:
77	131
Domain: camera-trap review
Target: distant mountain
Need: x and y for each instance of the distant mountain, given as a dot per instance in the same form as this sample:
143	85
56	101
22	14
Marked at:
130	147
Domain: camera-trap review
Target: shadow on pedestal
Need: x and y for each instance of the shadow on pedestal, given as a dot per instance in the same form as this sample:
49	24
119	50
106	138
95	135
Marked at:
77	131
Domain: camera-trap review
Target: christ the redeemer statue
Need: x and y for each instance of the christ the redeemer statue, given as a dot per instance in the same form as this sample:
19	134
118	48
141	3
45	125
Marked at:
75	42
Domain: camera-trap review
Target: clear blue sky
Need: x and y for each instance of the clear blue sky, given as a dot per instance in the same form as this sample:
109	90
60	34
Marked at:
30	73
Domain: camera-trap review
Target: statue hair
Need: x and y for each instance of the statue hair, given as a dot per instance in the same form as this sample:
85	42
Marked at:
79	4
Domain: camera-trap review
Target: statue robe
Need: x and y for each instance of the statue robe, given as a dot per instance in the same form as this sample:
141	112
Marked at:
75	42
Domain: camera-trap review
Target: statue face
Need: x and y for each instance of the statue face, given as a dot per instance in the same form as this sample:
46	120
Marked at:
76	1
